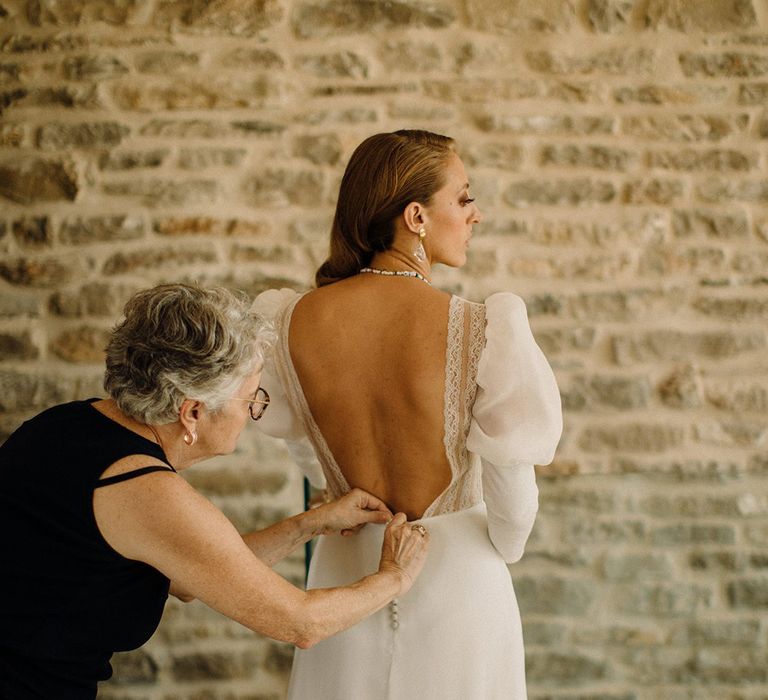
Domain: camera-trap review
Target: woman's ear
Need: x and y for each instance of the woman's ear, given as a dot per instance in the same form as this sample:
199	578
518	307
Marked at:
189	415
413	215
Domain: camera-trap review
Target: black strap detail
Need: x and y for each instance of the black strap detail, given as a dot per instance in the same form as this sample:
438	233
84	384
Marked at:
131	475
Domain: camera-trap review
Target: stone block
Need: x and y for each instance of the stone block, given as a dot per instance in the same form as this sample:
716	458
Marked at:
547	125
209	226
130	160
566	340
231	481
213	665
32	232
725	65
12	135
320	149
18	346
37	273
17	305
624	305
478	90
98	229
682	388
564	669
624	60
279	658
558	499
165	62
316	20
732	433
600	392
717	190
93	67
81	345
652	191
341	64
29	392
655	94
574	192
59	136
140	261
195	92
684	16
692	128
238	18
551	595
281	188
407	56
597	157
696	534
201	158
162	193
271	254
666	345
710	633
543	633
521	16
711	224
732	308
28	179
717	562
663	600
604	532
609	16
92	299
749	593
737	397
631	437
707	471
689	160
250	58
753	94
637	567
134	668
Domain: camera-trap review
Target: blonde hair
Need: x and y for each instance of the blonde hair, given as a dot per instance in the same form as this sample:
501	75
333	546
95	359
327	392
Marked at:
181	341
385	173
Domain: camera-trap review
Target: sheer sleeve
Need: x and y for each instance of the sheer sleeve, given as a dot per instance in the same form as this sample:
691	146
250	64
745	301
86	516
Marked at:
280	419
516	422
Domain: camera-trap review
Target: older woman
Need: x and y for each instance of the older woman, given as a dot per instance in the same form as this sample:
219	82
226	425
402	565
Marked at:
98	526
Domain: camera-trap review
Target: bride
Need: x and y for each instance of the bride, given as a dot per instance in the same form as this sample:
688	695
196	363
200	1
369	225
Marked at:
437	405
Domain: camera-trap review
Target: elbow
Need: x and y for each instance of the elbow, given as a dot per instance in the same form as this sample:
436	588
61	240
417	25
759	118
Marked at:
509	537
307	630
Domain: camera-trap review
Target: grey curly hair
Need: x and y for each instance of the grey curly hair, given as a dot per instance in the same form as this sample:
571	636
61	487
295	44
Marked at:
181	341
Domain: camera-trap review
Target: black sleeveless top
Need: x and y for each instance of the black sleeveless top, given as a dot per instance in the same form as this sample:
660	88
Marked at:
67	599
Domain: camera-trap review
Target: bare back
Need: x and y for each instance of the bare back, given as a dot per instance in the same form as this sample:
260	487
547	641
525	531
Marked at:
370	355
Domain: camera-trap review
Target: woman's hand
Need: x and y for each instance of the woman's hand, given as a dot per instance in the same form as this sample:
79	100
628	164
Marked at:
404	550
351	512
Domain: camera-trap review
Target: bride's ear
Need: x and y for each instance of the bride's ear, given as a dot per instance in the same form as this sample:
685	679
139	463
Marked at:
413	216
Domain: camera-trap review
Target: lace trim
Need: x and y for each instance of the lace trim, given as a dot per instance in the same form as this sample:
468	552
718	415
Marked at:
463	348
336	483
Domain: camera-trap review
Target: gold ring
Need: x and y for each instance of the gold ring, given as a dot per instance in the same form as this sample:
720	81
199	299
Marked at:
420	529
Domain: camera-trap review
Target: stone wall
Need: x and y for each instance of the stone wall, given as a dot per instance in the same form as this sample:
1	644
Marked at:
618	151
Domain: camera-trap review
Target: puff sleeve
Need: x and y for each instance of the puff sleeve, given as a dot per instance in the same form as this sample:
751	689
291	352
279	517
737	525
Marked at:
516	422
280	420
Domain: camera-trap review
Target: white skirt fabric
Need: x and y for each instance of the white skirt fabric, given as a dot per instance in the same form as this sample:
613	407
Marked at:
456	635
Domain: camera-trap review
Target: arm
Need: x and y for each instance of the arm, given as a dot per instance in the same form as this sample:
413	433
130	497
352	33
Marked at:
161	520
346	516
512	498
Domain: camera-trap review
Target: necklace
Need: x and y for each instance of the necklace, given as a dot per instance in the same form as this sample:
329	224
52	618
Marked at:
157	437
397	273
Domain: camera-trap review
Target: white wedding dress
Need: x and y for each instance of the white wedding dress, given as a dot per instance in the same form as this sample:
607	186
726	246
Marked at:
456	635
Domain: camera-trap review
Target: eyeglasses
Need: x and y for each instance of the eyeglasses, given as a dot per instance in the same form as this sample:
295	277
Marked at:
262	399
